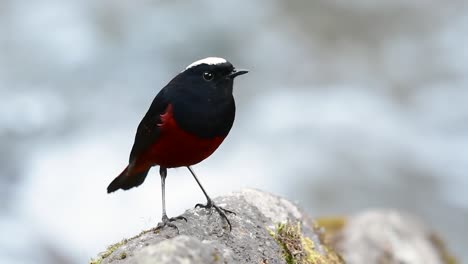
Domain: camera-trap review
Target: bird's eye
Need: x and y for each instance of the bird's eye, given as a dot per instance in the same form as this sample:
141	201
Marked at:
208	76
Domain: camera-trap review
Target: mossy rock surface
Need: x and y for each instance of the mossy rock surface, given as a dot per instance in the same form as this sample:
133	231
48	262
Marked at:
205	238
269	229
298	248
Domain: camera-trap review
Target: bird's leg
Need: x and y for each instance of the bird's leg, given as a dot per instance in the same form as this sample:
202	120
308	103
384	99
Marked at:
210	204
166	221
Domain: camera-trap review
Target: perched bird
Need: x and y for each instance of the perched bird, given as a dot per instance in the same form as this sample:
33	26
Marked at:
186	122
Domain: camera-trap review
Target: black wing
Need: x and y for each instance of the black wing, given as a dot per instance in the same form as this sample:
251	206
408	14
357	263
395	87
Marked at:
148	130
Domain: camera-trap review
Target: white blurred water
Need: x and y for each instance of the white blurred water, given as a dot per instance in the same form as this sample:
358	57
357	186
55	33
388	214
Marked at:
347	107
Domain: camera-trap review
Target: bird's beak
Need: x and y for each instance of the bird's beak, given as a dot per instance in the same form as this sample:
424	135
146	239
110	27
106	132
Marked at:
236	73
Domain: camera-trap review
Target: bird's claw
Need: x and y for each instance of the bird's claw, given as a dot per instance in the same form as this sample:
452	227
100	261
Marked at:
168	222
177	218
221	211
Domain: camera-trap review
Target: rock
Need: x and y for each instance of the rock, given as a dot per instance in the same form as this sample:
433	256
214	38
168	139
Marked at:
180	249
387	237
270	229
265	229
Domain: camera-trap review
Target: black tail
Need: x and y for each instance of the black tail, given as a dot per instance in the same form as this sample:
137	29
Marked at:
125	181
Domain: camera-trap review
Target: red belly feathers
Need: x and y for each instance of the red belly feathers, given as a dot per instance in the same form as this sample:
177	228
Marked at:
176	147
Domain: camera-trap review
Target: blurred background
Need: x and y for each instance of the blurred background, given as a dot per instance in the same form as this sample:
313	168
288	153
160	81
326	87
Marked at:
349	105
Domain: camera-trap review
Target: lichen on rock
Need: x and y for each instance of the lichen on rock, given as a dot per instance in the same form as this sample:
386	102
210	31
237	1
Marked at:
110	249
204	238
300	249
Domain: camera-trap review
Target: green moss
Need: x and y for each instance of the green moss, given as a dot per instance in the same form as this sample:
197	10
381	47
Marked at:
115	246
215	257
444	253
331	226
298	249
123	255
285	241
110	249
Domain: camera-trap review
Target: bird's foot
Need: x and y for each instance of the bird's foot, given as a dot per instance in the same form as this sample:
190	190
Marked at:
166	221
221	211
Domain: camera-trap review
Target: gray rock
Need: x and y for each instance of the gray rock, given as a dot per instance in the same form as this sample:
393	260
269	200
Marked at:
270	229
205	237
178	250
390	237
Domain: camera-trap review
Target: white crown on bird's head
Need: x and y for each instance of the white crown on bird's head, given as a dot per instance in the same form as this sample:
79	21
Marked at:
208	61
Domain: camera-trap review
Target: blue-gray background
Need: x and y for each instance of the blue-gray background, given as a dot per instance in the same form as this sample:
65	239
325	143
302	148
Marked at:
349	105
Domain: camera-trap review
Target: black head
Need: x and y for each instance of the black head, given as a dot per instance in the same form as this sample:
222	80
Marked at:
211	75
202	98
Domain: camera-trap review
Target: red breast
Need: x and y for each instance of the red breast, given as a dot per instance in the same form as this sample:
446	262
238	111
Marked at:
176	147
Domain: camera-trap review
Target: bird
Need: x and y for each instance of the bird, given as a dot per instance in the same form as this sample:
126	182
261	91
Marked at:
186	122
